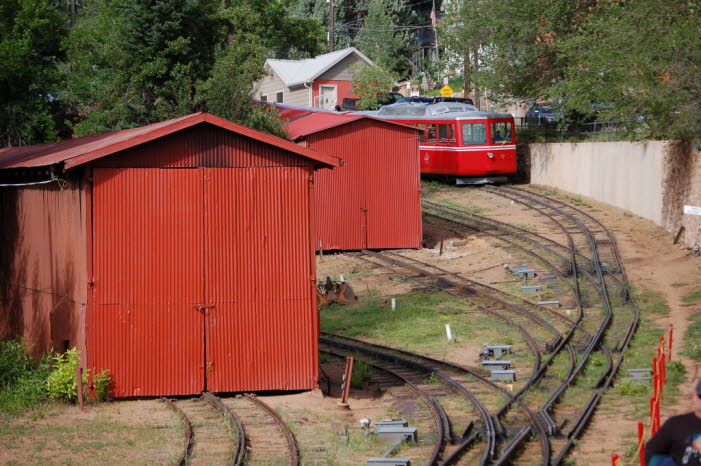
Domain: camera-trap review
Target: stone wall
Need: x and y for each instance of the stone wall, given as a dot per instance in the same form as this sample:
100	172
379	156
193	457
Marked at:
653	180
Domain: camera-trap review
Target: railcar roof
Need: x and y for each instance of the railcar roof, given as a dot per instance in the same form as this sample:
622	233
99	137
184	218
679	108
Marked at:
438	111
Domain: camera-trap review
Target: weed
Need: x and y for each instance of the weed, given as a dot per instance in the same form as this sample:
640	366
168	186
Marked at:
323	358
432	186
22	381
103	385
692	338
629	388
361	373
692	297
680	285
433	379
61	384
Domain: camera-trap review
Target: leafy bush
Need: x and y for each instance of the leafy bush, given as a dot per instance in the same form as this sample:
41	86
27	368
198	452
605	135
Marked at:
361	373
22	380
103	385
61	383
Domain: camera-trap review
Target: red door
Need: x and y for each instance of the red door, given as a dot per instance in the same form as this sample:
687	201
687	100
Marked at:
261	330
148	277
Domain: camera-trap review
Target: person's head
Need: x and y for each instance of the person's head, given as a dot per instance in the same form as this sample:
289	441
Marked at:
498	133
697	398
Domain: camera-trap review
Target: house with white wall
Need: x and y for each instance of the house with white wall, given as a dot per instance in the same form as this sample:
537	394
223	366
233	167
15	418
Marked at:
323	81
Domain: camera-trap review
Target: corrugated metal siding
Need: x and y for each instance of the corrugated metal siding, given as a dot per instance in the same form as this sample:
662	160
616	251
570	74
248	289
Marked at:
260	335
204	146
43	282
373	201
148	268
238	239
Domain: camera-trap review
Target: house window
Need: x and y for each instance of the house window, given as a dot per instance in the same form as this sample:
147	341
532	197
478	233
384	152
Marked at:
263	98
279	97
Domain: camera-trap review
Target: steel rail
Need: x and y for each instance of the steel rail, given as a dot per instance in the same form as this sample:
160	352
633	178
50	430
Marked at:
460	368
442	425
289	436
532	343
488	422
239	437
182	459
596	397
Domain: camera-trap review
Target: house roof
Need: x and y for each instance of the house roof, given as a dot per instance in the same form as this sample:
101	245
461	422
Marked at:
295	72
74	152
301	121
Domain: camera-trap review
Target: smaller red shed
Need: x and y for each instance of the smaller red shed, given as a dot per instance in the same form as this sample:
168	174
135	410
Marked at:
373	201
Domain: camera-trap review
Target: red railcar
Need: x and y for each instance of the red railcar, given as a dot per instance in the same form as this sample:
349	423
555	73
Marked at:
458	141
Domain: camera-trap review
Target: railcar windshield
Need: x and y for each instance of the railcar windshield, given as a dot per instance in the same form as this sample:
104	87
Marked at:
474	133
501	132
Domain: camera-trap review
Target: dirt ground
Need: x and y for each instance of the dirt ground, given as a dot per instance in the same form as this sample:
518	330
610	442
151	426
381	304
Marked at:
147	432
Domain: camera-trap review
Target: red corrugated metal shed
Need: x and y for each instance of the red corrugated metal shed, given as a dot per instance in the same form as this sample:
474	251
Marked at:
186	224
373	200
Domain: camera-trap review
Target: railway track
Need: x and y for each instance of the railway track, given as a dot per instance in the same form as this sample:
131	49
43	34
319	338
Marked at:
587	262
486	395
233	431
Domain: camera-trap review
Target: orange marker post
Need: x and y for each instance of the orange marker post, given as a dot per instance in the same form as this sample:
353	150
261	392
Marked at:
641	443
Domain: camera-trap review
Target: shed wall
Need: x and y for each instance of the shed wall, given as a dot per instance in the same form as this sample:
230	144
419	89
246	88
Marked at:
373	201
43	277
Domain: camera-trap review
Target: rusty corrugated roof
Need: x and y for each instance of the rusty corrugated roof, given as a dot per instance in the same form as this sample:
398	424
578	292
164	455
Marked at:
303	121
74	152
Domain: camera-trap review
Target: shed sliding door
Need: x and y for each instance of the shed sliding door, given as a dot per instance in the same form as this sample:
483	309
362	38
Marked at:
148	269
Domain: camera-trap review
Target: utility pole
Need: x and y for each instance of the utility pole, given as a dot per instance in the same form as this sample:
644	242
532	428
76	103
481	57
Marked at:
331	25
71	11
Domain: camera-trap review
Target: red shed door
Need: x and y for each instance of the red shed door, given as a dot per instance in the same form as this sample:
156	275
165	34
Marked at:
148	276
261	330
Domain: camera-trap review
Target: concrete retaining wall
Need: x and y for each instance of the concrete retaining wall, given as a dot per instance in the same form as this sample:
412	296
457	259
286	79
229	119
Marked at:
652	179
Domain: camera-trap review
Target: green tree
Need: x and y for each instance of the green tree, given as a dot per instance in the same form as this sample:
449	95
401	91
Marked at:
644	71
379	39
31	32
135	63
372	84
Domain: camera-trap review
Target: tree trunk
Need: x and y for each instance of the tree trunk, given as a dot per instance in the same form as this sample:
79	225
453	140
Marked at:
466	74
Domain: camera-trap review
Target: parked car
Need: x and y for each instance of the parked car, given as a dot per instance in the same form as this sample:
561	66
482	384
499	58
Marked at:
543	116
350	104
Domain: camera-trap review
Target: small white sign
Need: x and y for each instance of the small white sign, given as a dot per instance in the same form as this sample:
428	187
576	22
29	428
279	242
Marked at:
690	209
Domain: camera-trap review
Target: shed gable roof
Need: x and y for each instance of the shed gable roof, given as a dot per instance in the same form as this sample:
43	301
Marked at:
301	121
74	152
296	72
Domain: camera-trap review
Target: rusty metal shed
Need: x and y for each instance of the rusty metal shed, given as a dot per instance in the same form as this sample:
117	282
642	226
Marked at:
177	255
373	201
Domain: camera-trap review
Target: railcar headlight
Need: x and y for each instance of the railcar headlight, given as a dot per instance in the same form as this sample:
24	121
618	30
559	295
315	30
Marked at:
490	155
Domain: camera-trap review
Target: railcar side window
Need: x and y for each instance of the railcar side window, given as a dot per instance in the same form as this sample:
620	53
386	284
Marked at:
501	132
432	133
474	133
446	133
422	134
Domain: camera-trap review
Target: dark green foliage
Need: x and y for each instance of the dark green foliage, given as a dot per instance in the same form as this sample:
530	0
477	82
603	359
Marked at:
22	380
31	32
138	63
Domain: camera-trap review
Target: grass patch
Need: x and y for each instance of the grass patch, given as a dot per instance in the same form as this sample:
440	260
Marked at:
680	285
419	315
692	337
692	297
432	186
361	372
